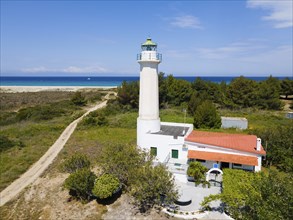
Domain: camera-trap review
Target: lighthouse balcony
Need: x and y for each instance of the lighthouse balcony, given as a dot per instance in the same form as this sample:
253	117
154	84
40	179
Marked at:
149	57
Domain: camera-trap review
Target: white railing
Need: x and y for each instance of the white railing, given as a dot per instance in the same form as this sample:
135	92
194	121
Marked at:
177	168
149	56
166	159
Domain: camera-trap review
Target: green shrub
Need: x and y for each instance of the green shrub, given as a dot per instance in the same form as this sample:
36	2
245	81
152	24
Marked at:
78	99
76	162
197	171
37	113
80	183
206	116
105	186
5	142
102	120
89	121
7	118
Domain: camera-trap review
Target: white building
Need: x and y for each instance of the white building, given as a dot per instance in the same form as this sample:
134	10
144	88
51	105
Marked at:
175	144
234	122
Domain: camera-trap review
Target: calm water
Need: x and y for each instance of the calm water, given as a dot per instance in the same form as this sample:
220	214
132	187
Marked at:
96	81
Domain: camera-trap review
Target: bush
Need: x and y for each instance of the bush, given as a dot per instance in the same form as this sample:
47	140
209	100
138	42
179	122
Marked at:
5	142
76	162
197	171
105	186
43	112
78	99
102	120
206	116
80	183
262	195
89	121
153	185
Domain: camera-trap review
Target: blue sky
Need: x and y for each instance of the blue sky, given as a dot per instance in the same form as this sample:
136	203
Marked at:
199	38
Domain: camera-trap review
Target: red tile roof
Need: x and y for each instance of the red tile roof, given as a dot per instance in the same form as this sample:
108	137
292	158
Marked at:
241	142
229	158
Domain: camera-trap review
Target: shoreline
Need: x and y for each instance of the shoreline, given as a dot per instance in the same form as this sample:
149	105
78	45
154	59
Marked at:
16	89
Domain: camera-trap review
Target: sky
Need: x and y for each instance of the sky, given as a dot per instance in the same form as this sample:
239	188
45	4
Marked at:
102	38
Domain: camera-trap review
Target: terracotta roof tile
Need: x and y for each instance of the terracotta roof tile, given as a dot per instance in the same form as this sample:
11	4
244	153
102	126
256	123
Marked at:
229	158
241	142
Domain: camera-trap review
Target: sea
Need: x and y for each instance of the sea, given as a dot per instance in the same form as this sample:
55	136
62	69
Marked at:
101	80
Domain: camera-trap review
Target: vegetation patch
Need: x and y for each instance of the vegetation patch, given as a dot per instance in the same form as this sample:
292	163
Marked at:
105	186
263	195
75	162
28	129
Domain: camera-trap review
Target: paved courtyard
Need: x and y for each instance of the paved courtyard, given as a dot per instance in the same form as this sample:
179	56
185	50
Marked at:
196	194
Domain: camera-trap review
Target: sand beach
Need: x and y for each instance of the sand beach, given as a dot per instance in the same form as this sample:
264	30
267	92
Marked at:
15	89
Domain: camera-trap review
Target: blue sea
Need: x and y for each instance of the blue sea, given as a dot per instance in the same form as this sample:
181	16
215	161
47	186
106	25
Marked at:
99	81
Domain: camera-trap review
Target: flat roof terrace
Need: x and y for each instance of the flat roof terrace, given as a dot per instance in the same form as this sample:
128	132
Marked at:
172	130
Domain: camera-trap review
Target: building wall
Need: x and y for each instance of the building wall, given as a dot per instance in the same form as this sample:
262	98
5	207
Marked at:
165	143
233	122
215	149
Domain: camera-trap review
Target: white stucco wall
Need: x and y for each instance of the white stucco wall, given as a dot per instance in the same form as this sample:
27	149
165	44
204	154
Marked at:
165	143
259	161
234	122
215	149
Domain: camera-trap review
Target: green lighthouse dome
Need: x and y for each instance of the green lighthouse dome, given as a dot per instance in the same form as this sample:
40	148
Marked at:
149	45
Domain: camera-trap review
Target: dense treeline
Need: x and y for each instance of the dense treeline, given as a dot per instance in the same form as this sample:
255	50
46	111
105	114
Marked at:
240	93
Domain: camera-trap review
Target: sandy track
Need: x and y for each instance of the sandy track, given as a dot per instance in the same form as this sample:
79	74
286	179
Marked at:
42	164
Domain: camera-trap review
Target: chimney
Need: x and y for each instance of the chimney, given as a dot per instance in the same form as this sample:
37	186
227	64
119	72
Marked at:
258	144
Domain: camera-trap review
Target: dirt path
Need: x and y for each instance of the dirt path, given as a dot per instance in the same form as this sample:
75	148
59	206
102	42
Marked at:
42	164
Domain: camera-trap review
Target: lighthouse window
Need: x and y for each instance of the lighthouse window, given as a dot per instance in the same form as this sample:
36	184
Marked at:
154	151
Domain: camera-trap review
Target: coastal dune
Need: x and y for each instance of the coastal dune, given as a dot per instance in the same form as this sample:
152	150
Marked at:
14	89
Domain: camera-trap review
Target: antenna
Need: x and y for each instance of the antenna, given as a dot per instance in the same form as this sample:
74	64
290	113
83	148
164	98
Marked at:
184	132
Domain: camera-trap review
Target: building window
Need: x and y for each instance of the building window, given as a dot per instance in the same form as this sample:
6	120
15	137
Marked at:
202	161
237	165
175	154
154	151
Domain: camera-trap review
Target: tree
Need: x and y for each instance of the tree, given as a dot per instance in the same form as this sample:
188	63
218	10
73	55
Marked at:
134	169
128	94
75	162
78	99
121	161
105	186
286	87
278	143
242	92
196	100
268	94
177	91
206	116
256	195
80	183
197	171
151	185
162	90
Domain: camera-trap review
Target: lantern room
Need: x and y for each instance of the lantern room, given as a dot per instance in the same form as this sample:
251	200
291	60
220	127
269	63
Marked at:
149	45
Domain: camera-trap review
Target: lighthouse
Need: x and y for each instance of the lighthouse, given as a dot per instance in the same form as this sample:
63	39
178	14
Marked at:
148	120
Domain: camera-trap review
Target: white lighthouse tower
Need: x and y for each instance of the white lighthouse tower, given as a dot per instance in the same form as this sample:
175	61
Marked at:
148	120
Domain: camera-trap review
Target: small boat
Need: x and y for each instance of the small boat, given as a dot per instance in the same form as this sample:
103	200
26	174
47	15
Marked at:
88	78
